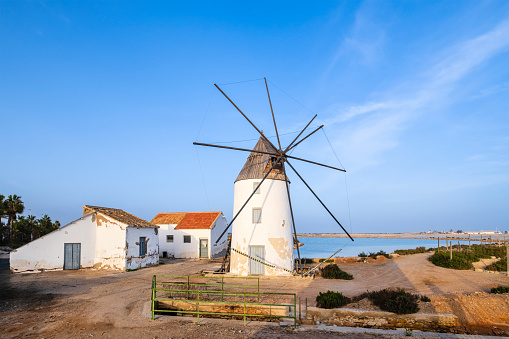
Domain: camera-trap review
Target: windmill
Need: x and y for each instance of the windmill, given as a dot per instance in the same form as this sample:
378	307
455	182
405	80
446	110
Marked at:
263	241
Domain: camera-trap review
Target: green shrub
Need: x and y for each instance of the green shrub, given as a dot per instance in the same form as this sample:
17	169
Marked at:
362	255
420	249
327	261
425	299
460	260
374	255
500	289
393	300
331	299
332	271
500	266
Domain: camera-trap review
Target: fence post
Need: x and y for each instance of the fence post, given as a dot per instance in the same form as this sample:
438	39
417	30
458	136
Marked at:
244	308
198	305
469	241
507	256
153	295
438	247
450	248
222	288
300	311
258	295
295	309
187	287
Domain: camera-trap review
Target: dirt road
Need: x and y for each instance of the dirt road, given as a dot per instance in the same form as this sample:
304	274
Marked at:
116	304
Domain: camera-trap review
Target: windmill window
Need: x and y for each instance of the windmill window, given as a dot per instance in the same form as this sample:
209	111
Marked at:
257	215
169	238
255	184
187	239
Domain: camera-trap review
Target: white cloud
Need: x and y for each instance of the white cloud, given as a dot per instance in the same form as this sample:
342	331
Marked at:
379	123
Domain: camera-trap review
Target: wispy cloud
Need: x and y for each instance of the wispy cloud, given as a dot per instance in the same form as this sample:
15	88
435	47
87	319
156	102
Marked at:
379	123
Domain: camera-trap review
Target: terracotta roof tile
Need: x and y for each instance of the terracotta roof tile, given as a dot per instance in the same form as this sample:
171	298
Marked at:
168	218
198	220
189	220
119	215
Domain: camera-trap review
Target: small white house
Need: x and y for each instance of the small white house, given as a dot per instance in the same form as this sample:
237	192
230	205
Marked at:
102	238
191	235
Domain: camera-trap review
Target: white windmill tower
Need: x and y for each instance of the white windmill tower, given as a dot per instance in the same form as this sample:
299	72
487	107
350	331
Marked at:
262	241
264	229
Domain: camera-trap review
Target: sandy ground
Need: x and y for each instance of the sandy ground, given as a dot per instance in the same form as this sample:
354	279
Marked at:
88	303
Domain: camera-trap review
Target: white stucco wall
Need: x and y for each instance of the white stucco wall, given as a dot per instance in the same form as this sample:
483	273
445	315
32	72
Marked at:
151	257
274	232
110	246
178	247
219	249
47	252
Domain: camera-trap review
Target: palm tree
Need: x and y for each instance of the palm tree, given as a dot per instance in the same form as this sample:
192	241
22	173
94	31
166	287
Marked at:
13	207
2	215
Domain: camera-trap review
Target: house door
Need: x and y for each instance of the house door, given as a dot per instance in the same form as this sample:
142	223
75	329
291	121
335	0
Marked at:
204	248
255	267
72	256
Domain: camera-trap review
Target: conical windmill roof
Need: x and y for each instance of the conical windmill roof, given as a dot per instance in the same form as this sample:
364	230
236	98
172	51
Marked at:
257	164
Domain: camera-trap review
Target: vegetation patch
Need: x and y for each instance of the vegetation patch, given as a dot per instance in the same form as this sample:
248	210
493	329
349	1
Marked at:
332	271
331	299
463	260
420	249
500	289
328	260
393	300
425	299
499	266
305	260
373	255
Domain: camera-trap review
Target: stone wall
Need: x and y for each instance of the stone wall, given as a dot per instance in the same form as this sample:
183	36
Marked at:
383	320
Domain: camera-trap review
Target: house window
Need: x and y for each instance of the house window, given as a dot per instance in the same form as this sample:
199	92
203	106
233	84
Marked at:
187	239
255	184
143	246
257	215
169	238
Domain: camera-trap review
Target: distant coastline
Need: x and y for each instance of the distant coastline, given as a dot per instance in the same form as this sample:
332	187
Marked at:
407	235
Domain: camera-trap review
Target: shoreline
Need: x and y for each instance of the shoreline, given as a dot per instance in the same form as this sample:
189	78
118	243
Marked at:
464	236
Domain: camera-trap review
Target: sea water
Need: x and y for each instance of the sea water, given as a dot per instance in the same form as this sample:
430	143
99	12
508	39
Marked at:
315	247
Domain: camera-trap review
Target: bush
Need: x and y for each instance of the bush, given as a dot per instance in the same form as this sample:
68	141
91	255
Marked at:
363	255
425	299
374	255
500	266
420	249
328	260
463	260
331	299
393	300
500	289
334	272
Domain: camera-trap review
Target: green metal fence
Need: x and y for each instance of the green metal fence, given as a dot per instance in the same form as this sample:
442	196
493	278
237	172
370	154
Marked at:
220	296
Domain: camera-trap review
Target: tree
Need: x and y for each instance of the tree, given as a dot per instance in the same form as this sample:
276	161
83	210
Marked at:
13	206
2	215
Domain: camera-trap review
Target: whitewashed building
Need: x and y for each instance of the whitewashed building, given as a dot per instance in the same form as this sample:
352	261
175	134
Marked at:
102	238
263	230
191	234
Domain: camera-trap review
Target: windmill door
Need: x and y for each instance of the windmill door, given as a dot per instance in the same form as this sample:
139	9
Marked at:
204	248
255	266
72	256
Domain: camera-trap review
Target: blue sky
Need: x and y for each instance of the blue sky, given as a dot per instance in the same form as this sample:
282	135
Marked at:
100	103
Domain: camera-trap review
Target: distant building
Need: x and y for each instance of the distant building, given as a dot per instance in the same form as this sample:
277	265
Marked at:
102	238
191	234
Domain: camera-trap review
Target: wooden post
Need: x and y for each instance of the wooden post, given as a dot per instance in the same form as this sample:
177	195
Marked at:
438	247
459	247
468	241
507	256
451	249
481	239
300	312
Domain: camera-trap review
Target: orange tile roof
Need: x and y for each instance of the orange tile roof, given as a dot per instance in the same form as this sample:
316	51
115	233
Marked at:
168	218
198	220
189	220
